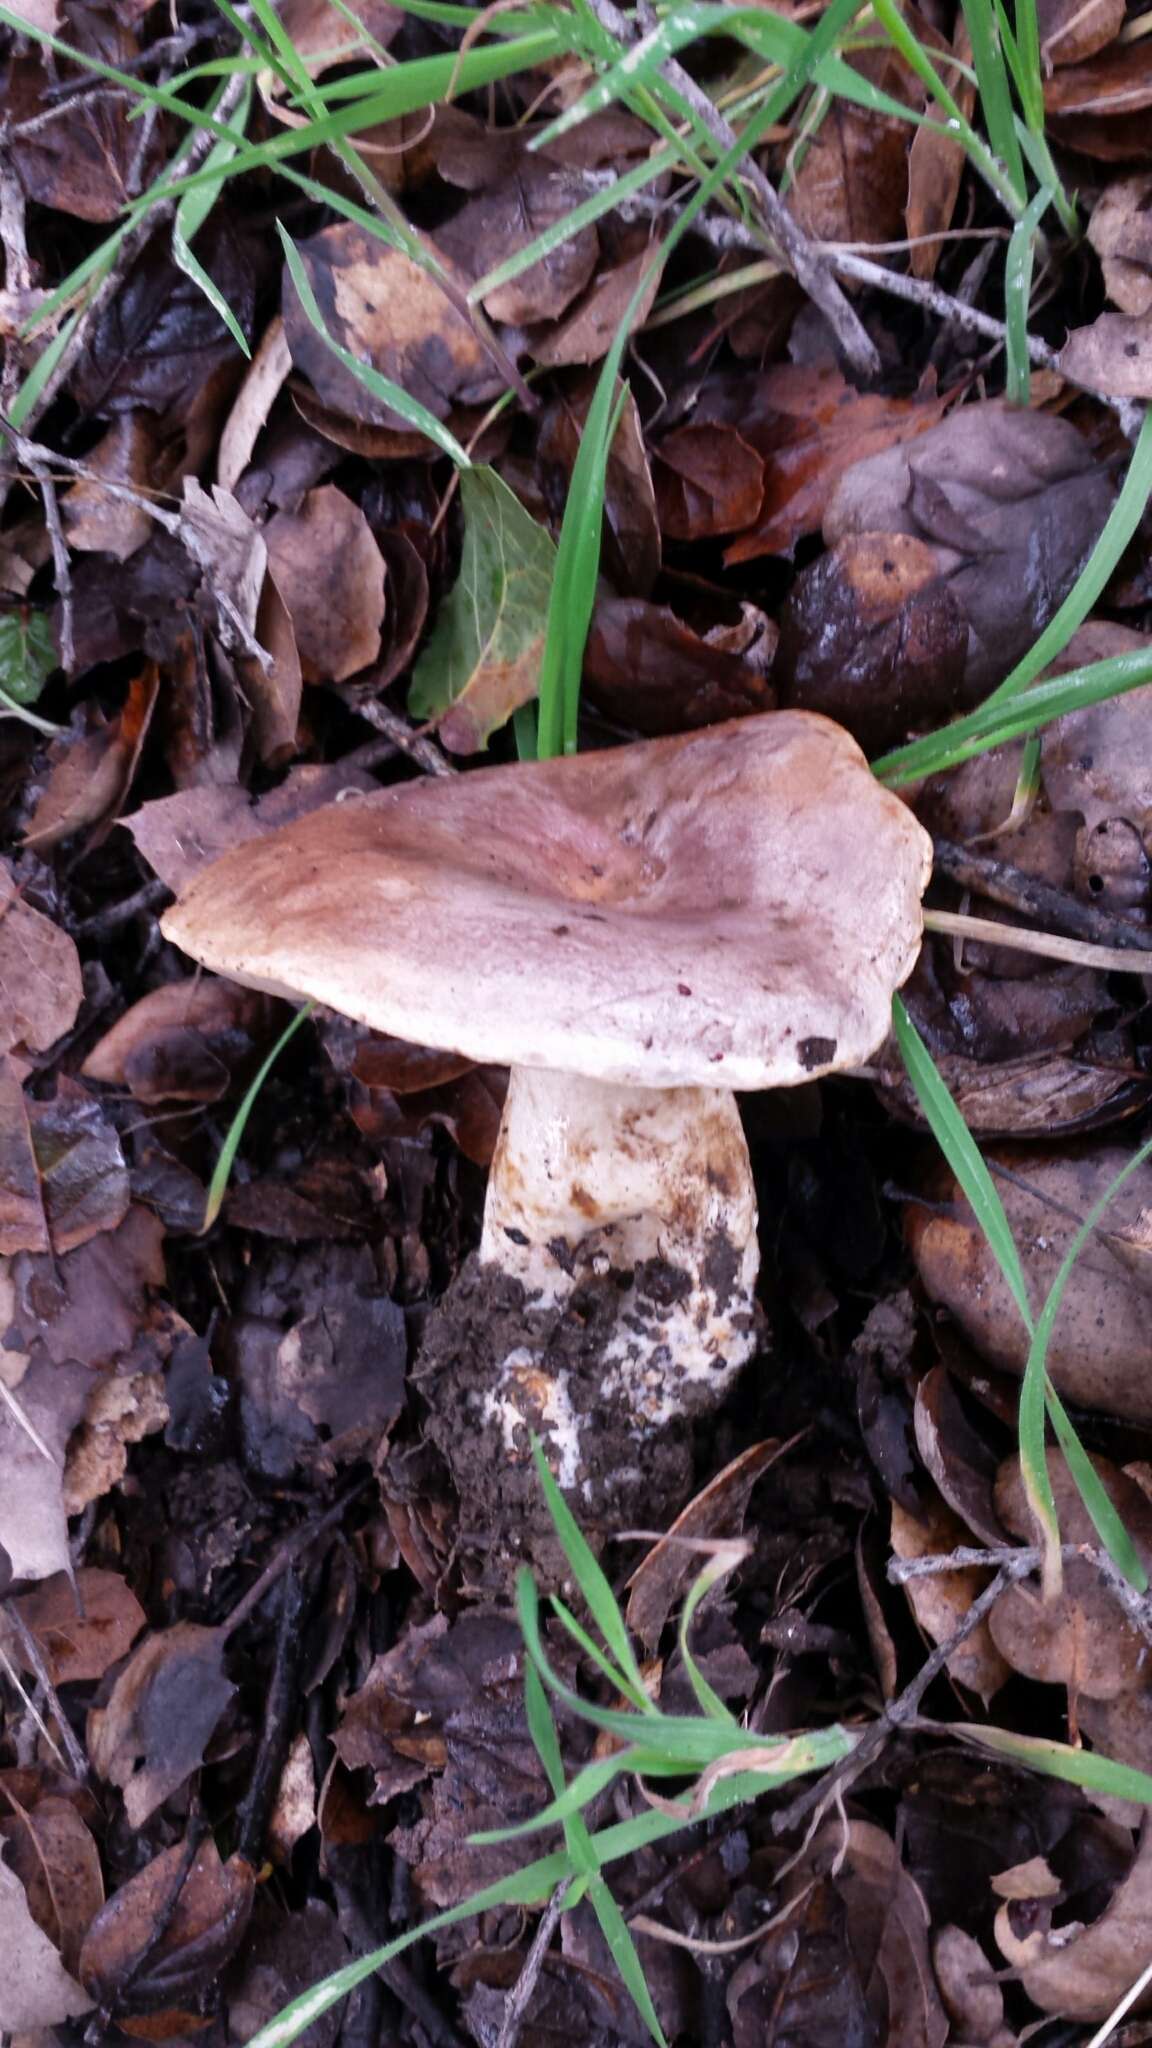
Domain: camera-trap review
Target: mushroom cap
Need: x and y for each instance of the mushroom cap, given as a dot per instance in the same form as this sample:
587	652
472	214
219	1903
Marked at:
730	907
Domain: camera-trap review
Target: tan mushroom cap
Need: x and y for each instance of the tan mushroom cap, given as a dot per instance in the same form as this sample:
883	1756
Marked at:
727	908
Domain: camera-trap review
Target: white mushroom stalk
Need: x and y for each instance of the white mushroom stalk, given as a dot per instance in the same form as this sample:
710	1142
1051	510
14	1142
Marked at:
653	1186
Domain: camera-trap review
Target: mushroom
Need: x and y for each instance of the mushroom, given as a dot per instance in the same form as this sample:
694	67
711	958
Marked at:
637	933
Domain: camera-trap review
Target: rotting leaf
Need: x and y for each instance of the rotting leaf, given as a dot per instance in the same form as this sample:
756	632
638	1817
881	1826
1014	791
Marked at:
87	164
647	668
27	655
717	1511
330	574
81	1174
708	481
92	773
83	1626
852	180
1071	31
1082	1972
941	1603
56	1859
35	1989
503	219
200	1932
96	521
184	1042
23	1224
160	1716
41	987
631	526
1100	1353
483	659
1120	231
1114	354
937	161
158	342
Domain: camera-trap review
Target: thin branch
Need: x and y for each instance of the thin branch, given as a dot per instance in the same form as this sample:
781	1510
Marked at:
520	1997
396	728
1074	952
1002	883
809	265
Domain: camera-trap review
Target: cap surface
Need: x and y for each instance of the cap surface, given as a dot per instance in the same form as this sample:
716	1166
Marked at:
731	908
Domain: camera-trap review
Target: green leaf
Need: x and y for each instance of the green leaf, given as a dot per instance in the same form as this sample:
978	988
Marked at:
483	659
1059	1760
218	1186
622	1948
27	655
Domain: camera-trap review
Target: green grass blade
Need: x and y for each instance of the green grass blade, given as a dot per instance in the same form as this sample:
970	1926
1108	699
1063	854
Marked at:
1007	718
599	1598
1059	1760
962	1153
596	1655
393	395
622	1948
995	91
1017	298
219	1183
1104	1516
191	213
707	1699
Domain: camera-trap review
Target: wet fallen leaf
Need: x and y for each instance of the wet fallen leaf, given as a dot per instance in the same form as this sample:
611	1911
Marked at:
941	1602
632	544
35	1989
184	1042
1109	88
70	1169
284	1955
647	668
1081	1972
83	1625
589	328
808	425
91	774
158	343
166	1935
160	1715
1100	1352
708	481
874	637
85	164
483	659
668	1568
1011	503
1120	231
959	1461
56	1859
851	181
96	521
503	219
391	313
1073	30
40	982
330	574
1080	1639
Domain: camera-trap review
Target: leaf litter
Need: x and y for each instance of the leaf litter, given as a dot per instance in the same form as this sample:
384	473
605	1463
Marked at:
238	1631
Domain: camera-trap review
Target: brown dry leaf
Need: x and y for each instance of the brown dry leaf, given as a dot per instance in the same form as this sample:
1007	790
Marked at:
973	1998
168	1932
1100	1352
1073	30
873	636
62	1173
851	182
648	669
95	521
294	1808
718	1510
83	1626
1108	90
887	1928
589	329
959	1461
1081	1972
1114	354
940	1603
35	1989
90	776
1120	231
253	402
1080	1639
388	312
330	574
708	481
808	425
57	1861
936	166
503	219
122	1409
1010	502
41	987
184	1042
161	1714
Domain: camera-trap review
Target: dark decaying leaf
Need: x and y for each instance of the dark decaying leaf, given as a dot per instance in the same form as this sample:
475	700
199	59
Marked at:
937	161
92	772
1120	231
36	1990
123	1963
391	313
852	178
708	482
717	1511
160	1716
503	219
631	555
82	1624
97	522
158	341
88	163
54	1855
184	1042
62	1173
647	668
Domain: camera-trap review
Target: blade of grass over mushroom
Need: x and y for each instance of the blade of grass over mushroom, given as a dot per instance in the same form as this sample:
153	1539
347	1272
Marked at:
599	1598
393	395
218	1186
1059	1760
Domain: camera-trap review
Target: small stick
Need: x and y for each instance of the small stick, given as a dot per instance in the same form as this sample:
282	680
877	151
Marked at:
1137	1606
1002	883
520	1997
61	564
810	267
78	1762
402	735
1074	952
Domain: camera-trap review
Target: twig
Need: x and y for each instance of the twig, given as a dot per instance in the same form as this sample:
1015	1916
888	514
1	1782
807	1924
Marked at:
61	564
520	1997
77	1760
808	264
1002	883
396	728
141	903
901	1712
1137	1606
1015	939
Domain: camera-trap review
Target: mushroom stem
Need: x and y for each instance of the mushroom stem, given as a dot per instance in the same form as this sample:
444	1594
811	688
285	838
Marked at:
649	1188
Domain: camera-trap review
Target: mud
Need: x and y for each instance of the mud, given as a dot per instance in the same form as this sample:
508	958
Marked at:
632	1475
